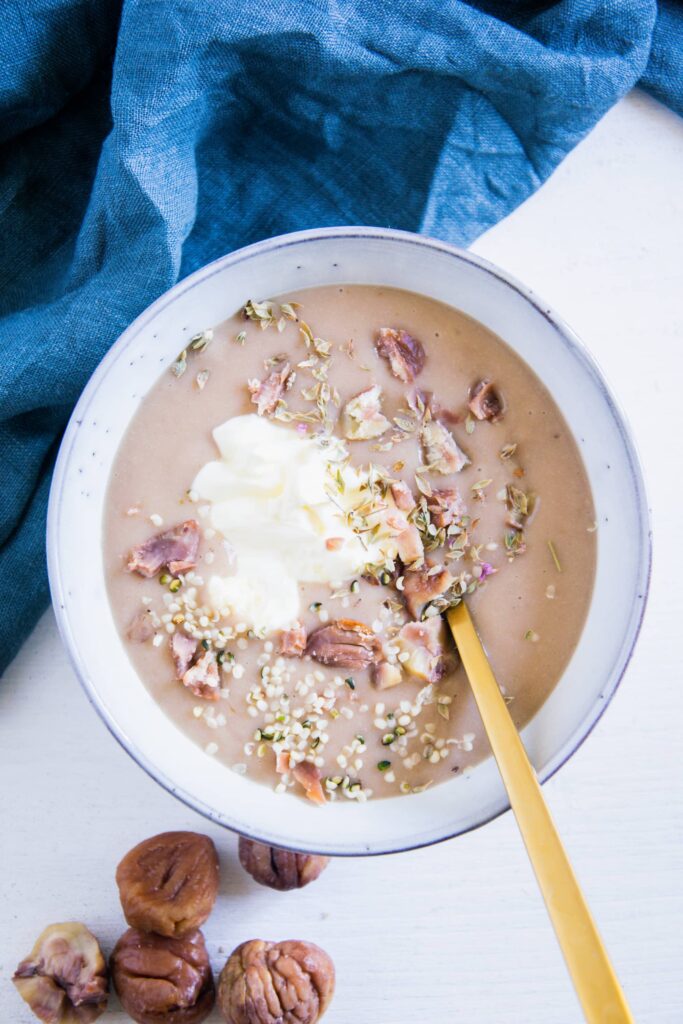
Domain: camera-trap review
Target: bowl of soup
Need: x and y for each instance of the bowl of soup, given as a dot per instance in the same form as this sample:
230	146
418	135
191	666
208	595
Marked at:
274	485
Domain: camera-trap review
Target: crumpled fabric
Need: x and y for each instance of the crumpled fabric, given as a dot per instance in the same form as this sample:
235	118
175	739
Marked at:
141	140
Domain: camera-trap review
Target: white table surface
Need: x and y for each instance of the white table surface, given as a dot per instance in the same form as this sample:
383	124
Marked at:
458	932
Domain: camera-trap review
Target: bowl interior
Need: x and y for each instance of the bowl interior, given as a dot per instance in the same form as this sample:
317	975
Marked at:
357	256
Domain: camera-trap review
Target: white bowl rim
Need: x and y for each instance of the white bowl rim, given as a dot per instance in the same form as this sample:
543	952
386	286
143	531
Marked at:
566	335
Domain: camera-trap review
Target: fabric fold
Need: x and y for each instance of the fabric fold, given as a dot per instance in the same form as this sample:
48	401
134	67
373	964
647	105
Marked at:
145	139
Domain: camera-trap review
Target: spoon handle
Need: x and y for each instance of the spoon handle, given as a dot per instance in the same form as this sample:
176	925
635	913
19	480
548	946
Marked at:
596	984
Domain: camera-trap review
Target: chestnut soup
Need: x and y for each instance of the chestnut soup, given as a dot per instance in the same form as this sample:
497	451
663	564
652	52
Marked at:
296	502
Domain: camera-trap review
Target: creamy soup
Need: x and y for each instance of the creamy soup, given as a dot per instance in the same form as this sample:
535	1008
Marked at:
300	497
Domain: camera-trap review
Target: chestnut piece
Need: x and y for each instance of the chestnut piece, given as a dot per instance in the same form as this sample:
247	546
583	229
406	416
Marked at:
279	869
345	643
486	402
276	983
64	977
162	980
169	883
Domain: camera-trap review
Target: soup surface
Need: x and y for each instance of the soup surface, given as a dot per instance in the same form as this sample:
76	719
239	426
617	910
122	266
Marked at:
296	502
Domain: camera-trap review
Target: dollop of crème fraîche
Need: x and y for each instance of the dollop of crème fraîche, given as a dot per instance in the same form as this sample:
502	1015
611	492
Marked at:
274	497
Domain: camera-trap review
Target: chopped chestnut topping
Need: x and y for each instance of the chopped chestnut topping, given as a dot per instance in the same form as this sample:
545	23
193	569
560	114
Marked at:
64	977
362	417
308	776
408	540
409	545
422	641
203	678
175	550
279	869
485	401
276	983
403	496
386	675
445	507
405	355
420	586
162	980
266	393
293	642
168	883
183	649
141	628
345	644
441	451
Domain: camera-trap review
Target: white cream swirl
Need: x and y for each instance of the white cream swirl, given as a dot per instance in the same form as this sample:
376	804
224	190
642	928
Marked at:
269	497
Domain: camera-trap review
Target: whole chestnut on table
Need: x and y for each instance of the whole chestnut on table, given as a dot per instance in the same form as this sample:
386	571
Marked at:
162	980
168	884
288	982
64	978
279	869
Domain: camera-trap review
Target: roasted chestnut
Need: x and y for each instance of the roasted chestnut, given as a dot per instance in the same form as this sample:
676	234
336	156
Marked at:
168	883
64	977
276	983
162	980
279	869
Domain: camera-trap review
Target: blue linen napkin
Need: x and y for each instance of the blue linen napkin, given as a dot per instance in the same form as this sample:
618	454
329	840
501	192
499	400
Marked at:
140	142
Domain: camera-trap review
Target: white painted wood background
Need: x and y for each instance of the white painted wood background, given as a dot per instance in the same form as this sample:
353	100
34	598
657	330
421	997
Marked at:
456	933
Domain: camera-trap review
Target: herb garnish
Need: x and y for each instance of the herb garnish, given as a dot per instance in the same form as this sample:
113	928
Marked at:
553	552
196	344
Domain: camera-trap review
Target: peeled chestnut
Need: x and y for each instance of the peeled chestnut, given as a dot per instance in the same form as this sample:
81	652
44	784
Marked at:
168	883
276	983
64	978
279	869
162	980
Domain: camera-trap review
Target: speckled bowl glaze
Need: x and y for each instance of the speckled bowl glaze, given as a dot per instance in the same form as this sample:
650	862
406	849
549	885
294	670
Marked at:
282	265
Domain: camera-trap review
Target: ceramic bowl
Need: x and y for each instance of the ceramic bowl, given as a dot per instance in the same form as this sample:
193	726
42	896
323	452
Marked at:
283	265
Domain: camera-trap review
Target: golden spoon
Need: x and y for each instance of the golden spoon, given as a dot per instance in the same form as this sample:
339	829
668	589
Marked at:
596	984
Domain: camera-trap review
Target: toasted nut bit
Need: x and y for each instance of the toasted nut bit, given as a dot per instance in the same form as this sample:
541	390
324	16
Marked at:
293	641
422	585
183	650
162	980
403	496
175	549
276	983
386	675
445	506
441	450
344	643
485	401
265	394
308	776
203	678
423	643
168	884
405	355
362	417
141	628
279	869
64	978
409	545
